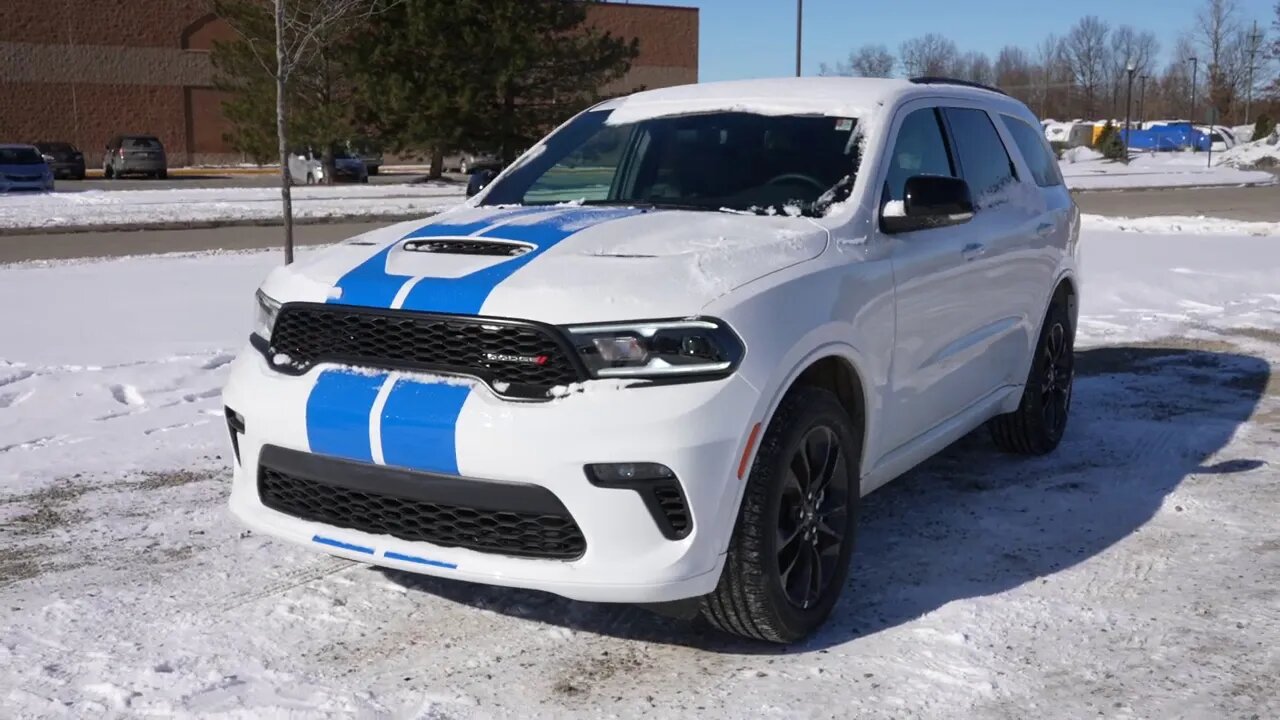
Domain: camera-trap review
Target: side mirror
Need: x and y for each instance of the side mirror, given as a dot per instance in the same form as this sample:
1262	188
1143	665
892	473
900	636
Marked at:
479	180
930	201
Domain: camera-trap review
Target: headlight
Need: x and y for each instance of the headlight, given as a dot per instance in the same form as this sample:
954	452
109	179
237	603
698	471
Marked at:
265	315
657	348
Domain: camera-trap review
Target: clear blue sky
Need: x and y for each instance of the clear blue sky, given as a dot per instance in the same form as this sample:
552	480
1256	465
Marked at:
756	38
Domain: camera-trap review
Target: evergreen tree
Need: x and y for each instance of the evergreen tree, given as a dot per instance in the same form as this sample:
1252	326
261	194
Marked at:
494	75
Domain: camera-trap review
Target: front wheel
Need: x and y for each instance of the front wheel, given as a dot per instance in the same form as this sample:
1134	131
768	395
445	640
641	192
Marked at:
789	554
1036	427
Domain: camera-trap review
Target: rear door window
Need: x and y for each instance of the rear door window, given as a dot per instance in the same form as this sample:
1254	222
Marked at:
920	149
984	162
1044	168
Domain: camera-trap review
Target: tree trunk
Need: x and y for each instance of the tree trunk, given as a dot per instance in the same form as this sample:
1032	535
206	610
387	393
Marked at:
437	164
282	133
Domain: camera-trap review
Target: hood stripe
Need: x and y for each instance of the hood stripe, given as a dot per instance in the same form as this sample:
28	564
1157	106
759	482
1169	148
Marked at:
466	295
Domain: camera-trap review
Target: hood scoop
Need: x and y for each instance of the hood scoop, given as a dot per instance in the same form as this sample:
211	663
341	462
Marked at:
468	246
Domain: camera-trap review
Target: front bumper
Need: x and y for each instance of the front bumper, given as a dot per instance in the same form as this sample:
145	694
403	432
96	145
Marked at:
40	185
698	430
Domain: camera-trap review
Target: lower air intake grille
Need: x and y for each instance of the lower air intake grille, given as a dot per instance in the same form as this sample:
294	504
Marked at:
671	503
501	518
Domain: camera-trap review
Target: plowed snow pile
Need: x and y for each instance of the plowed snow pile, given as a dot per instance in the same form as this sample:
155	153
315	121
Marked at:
1131	574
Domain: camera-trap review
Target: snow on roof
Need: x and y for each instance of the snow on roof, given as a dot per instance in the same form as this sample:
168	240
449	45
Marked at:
832	96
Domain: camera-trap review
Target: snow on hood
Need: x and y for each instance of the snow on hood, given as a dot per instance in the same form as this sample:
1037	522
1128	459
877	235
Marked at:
580	264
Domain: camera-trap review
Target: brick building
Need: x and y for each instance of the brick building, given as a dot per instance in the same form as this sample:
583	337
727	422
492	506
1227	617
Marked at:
84	70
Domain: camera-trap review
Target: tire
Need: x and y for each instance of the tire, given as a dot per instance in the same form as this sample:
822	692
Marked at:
109	172
162	175
374	170
1036	427
754	598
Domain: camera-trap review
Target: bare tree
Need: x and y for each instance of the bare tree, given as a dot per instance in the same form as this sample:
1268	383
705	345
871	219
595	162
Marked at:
1219	35
1012	73
1053	78
1087	55
867	61
301	28
974	67
930	54
1129	47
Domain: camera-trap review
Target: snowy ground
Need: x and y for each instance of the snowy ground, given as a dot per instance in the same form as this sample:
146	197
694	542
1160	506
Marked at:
1130	575
1154	170
203	205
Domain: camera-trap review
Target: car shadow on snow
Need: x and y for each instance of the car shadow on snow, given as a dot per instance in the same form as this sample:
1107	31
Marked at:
972	521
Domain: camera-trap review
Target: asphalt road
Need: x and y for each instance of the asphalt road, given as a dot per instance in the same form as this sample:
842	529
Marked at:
1238	203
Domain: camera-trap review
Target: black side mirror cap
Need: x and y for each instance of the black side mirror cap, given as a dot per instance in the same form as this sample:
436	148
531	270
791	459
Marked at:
930	201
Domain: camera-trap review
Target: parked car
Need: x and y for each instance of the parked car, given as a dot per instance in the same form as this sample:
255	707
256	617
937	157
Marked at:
23	168
349	166
135	155
1220	138
305	167
666	375
468	162
63	158
368	151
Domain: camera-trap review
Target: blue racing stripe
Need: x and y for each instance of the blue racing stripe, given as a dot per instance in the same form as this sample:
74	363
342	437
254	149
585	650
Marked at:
418	425
338	413
339	544
421	561
369	285
466	295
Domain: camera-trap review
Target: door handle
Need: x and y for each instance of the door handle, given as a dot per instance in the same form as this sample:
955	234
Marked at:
973	251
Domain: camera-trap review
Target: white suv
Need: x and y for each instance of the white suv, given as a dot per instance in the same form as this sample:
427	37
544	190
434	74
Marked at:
659	358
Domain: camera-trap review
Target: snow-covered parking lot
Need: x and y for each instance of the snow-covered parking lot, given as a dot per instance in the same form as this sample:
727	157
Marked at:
195	206
1132	574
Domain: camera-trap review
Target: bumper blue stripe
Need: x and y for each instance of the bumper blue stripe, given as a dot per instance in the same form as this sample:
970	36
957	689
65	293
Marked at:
339	544
338	414
421	561
419	423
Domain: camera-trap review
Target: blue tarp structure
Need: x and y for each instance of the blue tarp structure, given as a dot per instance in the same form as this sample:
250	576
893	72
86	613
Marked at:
1167	137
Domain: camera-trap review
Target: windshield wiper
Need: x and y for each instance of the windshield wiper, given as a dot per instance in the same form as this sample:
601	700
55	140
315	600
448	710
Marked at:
652	203
834	194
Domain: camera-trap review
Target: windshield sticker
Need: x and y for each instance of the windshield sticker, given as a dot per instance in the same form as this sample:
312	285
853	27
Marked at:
844	124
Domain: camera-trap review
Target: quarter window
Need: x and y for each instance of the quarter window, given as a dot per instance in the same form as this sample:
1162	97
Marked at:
1044	168
920	149
984	162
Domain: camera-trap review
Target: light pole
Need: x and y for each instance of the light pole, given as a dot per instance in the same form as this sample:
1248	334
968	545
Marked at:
1142	100
799	32
1255	37
1194	64
1128	106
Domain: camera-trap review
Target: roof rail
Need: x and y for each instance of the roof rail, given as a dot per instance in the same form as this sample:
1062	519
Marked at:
931	80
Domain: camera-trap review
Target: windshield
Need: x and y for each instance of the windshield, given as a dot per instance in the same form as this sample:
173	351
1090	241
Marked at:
20	156
715	161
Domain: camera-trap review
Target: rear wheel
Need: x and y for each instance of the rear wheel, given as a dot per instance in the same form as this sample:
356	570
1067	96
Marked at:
789	555
1036	427
108	172
162	175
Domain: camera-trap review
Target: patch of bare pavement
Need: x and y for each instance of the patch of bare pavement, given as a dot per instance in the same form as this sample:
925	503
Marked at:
1252	204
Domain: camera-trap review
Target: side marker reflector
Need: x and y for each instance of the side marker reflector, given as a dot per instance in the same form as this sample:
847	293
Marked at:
746	452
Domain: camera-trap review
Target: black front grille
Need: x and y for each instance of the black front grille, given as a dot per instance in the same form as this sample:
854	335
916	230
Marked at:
468	247
520	359
503	518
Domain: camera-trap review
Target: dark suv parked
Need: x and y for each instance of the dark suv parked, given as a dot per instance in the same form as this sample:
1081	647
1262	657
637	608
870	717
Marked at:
135	154
64	159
